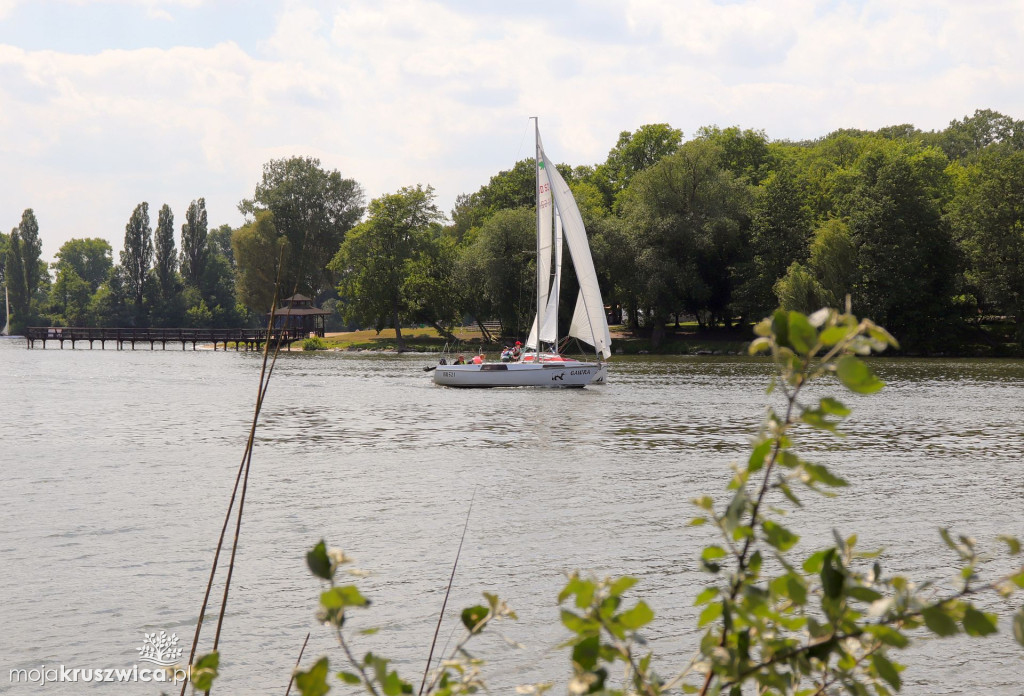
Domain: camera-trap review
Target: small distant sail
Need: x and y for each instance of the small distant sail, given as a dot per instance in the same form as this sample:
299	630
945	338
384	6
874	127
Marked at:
7	308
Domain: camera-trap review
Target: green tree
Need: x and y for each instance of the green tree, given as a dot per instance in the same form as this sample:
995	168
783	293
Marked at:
111	304
69	298
907	261
165	254
433	293
745	153
506	190
988	219
374	263
972	134
497	271
634	152
258	249
313	209
193	242
834	258
137	255
689	218
91	258
219	242
31	253
779	236
17	289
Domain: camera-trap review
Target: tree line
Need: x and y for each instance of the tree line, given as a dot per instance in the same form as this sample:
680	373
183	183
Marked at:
924	230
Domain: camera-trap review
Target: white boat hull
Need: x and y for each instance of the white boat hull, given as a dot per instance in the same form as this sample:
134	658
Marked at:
567	374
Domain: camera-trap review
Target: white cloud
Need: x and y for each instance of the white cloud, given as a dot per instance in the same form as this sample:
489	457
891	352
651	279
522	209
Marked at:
411	91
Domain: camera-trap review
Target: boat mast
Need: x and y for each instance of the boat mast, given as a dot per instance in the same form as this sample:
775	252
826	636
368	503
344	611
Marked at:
536	169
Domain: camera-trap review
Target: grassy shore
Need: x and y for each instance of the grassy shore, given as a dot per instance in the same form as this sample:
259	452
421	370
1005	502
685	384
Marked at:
687	341
983	341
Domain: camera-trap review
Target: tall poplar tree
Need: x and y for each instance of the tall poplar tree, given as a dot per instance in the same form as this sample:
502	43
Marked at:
31	251
193	243
15	276
137	256
166	255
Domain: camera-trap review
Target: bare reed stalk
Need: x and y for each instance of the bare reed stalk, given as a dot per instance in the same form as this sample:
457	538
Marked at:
266	370
447	592
297	661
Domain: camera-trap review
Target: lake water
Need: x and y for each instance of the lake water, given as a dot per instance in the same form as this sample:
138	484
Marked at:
117	468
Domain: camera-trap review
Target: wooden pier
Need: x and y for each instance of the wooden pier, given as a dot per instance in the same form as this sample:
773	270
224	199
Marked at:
249	339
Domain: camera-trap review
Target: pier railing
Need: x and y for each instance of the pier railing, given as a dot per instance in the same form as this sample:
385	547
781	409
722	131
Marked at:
248	339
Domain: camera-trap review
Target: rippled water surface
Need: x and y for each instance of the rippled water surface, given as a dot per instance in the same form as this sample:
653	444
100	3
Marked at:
117	467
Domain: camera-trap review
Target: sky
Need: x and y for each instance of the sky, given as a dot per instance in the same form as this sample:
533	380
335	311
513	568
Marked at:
108	103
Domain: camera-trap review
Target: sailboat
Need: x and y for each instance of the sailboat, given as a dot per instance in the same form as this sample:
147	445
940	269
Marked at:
558	218
6	332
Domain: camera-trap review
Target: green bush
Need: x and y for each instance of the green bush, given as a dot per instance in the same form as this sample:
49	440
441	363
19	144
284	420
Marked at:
314	343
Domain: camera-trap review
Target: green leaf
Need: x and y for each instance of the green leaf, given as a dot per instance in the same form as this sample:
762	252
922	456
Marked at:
864	594
1013	543
204	671
472	618
712	612
1018	626
889	636
313	682
938	620
759	345
819	473
586	652
778	536
341	597
318	562
831	579
977	623
856	376
705	596
394	686
816	561
757	457
780	327
621	585
886	670
802	335
834	407
833	335
576	623
638	616
572	587
713	552
349	678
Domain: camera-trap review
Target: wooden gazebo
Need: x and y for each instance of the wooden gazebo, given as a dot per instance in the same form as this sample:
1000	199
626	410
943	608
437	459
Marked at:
298	314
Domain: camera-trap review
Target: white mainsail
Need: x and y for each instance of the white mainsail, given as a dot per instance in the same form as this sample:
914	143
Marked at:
589	322
549	332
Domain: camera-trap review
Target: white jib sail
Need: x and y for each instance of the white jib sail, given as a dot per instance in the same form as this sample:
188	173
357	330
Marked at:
589	322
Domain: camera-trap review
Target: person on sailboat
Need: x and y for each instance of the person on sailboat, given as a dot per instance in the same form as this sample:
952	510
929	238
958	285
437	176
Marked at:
461	360
517	351
478	359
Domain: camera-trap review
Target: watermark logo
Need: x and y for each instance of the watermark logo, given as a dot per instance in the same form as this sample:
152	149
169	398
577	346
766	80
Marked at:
160	649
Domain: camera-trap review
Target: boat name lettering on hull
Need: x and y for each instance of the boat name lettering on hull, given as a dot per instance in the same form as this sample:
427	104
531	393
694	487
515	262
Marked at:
579	372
